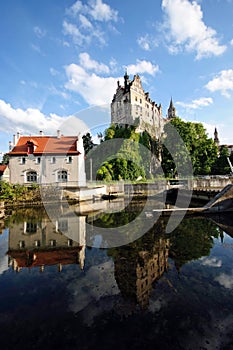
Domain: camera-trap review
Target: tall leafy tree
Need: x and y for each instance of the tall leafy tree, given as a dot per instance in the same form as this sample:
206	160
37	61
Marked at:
88	144
221	165
199	147
5	159
125	161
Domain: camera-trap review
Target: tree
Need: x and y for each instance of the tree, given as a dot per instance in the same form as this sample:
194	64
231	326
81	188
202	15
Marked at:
221	165
198	147
124	160
5	159
88	144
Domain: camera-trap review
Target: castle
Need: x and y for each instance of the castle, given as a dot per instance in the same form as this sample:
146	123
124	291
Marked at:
131	105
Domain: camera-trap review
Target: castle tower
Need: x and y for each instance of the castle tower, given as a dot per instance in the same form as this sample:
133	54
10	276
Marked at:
216	139
171	112
131	105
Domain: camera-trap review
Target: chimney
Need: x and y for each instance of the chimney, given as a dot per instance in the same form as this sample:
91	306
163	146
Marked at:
10	145
14	140
58	134
41	133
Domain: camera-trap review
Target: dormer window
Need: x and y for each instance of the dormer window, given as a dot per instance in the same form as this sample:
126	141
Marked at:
69	159
30	149
31	146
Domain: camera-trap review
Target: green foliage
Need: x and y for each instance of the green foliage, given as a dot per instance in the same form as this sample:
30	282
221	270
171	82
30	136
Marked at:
5	159
221	165
201	149
6	191
19	193
127	162
88	144
191	240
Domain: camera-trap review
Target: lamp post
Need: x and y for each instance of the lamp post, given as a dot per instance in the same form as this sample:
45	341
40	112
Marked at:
91	169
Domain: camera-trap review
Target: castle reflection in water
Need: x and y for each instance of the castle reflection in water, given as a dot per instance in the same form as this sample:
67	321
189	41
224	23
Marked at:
135	274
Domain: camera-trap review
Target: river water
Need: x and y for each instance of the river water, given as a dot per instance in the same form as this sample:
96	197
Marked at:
164	290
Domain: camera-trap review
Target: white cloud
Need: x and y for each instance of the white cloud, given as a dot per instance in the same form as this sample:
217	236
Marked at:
53	71
185	29
84	78
91	288
75	8
85	22
36	48
144	42
89	22
212	262
94	89
27	121
225	280
40	33
143	66
231	42
147	42
222	82
74	32
88	63
95	9
102	12
196	104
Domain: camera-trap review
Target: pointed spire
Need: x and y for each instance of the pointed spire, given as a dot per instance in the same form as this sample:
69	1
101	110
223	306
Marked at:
216	139
171	104
171	112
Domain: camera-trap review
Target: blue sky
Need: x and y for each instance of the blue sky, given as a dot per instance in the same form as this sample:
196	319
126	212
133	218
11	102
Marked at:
62	58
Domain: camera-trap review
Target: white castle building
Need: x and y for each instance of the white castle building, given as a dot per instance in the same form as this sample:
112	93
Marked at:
131	105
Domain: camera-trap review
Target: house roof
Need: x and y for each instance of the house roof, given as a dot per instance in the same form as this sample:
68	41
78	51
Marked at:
65	145
2	169
45	257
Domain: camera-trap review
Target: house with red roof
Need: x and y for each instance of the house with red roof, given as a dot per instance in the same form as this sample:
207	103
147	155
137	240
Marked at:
4	173
47	160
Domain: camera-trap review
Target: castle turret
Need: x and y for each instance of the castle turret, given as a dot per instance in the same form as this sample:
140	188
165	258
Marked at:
171	112
216	139
126	81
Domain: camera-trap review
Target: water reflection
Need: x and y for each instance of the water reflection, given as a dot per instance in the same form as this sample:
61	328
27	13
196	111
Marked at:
136	271
36	242
169	291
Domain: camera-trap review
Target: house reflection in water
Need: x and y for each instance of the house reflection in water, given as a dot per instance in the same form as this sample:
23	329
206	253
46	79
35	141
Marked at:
135	273
41	243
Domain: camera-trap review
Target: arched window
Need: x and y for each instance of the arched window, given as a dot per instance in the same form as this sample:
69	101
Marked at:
62	176
31	176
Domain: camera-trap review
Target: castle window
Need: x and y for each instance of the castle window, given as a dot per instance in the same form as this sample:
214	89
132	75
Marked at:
38	159
52	242
37	243
53	160
136	98
23	160
63	225
30	227
140	100
21	244
70	242
62	176
31	176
